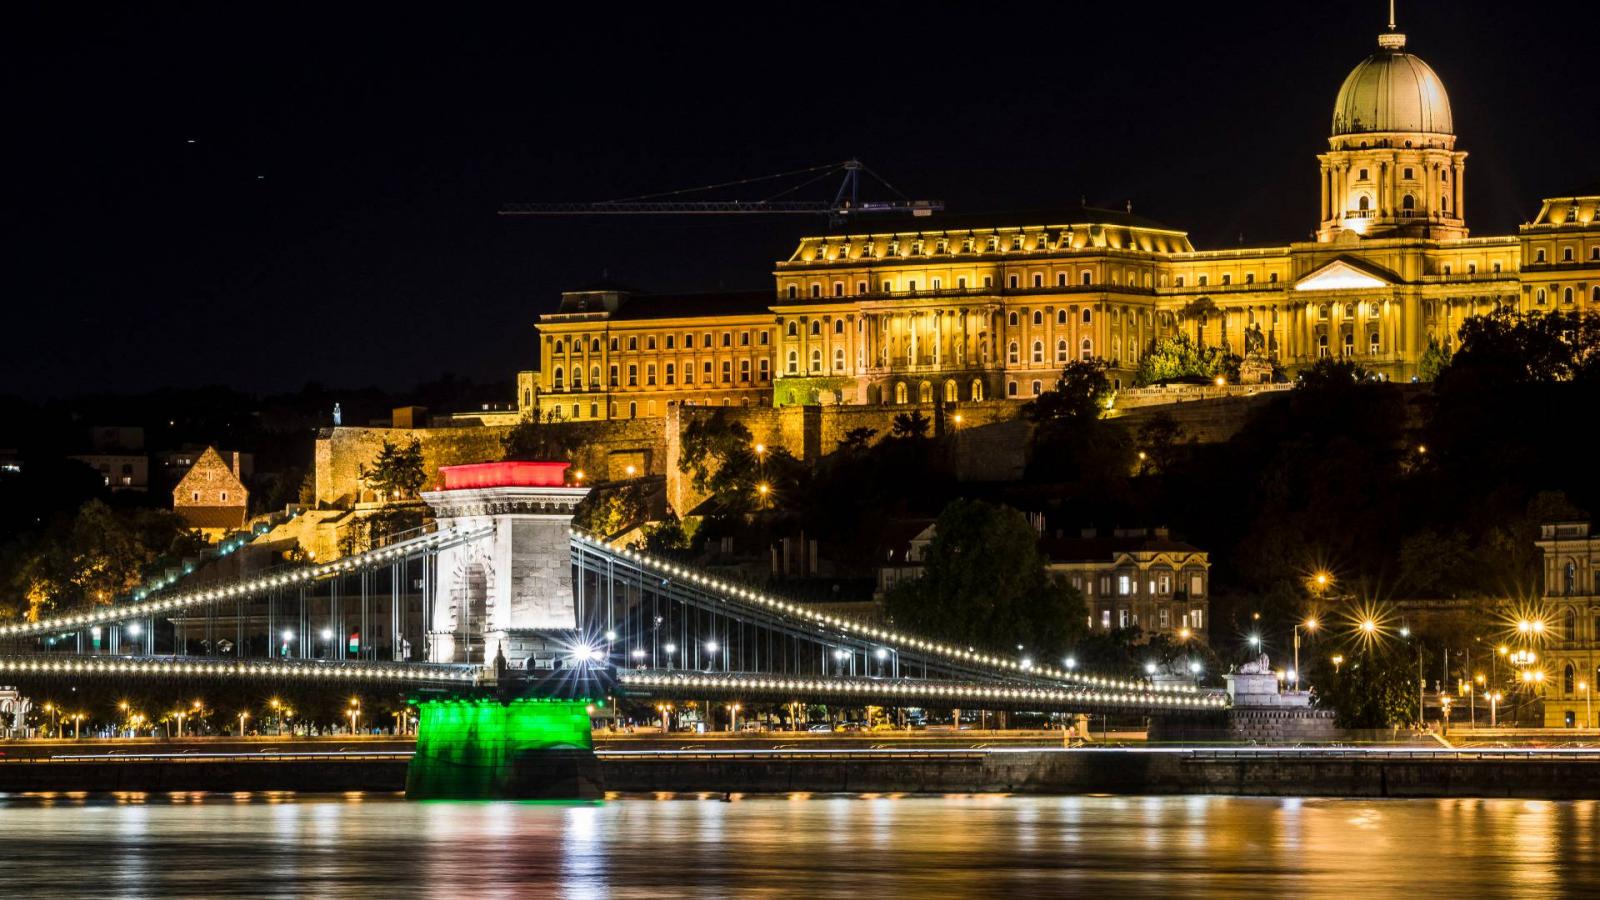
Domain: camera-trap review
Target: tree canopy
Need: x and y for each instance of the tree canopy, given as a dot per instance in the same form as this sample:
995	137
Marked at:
985	581
397	472
1180	358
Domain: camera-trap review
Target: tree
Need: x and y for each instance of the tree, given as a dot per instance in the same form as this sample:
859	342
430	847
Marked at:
397	473
531	439
910	426
96	555
1179	358
1374	687
1080	394
857	440
1158	442
1199	310
986	582
1435	359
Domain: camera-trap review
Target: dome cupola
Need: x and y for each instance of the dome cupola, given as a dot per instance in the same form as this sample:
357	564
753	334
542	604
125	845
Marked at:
1390	91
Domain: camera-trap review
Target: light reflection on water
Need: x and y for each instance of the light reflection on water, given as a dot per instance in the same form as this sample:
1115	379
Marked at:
184	845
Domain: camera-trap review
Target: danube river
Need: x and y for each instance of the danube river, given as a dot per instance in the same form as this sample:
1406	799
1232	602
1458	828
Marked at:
166	846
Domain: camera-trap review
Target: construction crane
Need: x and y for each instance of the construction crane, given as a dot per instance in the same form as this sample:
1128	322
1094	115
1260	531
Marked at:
846	203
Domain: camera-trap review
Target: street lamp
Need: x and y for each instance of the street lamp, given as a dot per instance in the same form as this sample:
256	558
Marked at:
354	714
243	714
1494	704
55	723
1338	660
77	725
1309	625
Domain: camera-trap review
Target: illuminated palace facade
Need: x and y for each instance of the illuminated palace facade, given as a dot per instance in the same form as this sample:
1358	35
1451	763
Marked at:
959	309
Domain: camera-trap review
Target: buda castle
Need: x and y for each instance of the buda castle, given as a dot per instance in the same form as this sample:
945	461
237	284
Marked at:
959	309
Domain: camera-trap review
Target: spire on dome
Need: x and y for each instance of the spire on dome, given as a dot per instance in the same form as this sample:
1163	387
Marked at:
1394	40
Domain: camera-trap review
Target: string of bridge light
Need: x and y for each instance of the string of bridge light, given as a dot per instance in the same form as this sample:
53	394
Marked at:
880	634
241	668
924	691
238	589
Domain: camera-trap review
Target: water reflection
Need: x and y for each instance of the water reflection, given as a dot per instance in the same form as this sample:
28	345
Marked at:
178	845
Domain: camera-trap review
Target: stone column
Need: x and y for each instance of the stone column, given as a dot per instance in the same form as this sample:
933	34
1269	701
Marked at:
1461	191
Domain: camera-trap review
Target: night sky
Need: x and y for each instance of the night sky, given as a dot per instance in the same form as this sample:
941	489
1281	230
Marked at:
264	196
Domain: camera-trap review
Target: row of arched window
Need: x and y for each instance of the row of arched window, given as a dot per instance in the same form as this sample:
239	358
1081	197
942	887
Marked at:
1569	296
561	346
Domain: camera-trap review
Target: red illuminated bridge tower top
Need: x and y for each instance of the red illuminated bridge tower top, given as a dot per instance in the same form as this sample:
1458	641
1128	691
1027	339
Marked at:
513	487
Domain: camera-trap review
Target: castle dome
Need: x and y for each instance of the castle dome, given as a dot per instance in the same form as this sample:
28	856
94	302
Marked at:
1392	90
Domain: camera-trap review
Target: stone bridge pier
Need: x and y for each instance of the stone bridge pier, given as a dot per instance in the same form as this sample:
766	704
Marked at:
507	593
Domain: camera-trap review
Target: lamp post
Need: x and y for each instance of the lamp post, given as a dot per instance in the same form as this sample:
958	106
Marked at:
354	713
1494	706
1338	660
55	723
1588	708
1309	625
243	714
77	725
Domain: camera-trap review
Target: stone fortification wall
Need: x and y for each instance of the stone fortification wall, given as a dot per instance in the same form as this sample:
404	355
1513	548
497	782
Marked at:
990	442
604	450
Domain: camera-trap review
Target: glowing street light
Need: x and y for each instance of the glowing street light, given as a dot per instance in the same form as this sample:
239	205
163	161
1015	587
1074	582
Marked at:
1070	662
1338	660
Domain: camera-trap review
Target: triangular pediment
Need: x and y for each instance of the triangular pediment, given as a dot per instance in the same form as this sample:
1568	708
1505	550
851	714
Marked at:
1345	275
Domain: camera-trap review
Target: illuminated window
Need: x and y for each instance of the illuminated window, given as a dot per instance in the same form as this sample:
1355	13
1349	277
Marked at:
794	363
671	373
613	376
744	370
1105	619
976	390
1322	345
727	371
1061	350
838	359
705	369
1349	344
1364	204
762	368
633	376
1011	353
1038	351
1372	343
1016	242
816	360
559	379
900	392
1086	349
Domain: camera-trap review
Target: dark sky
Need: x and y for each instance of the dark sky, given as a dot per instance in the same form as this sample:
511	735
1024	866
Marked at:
261	196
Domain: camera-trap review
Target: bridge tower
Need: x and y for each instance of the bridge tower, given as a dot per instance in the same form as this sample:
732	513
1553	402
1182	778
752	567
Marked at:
504	594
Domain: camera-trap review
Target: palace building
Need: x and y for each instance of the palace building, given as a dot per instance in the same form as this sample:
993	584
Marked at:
955	308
